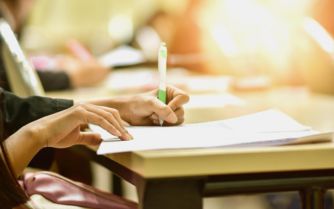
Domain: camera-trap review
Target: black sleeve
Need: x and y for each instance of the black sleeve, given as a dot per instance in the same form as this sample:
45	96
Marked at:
4	84
54	80
11	194
21	111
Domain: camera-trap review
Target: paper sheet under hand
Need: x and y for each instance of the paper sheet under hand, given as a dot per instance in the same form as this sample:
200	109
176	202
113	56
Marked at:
266	128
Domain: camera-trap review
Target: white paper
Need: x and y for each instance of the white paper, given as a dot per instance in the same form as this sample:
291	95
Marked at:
122	56
267	121
261	129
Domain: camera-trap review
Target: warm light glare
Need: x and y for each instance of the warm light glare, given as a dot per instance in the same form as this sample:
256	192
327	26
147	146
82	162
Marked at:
261	31
225	41
121	28
320	35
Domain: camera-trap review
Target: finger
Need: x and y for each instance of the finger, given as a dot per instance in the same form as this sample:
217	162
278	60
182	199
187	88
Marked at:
147	121
177	100
102	122
116	116
156	122
126	124
90	139
110	115
180	116
154	119
83	127
163	111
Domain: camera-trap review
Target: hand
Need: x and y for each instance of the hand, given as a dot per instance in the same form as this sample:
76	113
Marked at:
146	109
83	73
62	130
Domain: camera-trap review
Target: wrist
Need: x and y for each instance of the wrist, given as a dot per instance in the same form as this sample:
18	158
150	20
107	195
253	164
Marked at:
35	136
22	146
116	102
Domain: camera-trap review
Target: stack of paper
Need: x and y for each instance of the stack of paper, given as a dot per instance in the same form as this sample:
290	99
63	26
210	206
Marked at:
267	128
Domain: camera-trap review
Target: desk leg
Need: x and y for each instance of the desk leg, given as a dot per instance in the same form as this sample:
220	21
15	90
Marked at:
116	185
171	194
313	198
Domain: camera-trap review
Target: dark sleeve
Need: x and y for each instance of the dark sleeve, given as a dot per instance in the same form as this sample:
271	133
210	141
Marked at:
3	75
54	80
11	194
18	112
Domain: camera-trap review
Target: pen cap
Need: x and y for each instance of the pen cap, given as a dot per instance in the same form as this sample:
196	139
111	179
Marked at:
163	50
162	64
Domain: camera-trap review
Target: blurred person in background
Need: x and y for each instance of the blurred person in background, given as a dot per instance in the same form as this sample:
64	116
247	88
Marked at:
318	65
75	73
278	40
259	39
183	35
323	12
271	38
69	70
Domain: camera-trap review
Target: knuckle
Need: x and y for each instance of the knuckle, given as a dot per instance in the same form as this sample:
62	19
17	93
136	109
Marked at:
115	112
151	102
180	111
100	120
80	109
186	97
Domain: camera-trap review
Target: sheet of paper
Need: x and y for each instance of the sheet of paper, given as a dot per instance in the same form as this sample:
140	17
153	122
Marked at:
261	122
122	56
227	133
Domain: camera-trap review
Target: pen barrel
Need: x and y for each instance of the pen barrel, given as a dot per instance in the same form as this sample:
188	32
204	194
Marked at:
162	96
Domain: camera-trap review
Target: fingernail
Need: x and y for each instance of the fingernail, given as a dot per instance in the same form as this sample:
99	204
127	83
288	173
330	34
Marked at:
130	136
156	122
118	133
155	117
127	137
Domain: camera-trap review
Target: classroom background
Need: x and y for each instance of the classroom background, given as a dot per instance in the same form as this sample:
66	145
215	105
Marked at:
288	40
280	41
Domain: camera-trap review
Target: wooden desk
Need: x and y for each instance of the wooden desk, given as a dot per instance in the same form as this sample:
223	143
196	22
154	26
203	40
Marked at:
178	179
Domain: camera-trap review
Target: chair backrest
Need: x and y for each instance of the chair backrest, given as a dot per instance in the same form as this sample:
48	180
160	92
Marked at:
22	77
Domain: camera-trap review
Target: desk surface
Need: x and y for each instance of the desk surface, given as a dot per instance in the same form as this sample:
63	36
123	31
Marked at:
311	109
199	162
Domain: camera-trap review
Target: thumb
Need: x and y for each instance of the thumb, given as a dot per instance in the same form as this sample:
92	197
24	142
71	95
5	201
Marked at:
163	111
90	139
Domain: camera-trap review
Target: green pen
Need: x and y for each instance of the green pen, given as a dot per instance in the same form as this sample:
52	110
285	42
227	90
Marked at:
162	65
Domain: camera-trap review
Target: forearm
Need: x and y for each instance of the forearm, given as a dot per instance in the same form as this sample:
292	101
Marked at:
21	148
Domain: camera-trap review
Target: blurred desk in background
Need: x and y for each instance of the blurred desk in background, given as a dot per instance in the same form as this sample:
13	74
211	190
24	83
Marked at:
181	178
215	98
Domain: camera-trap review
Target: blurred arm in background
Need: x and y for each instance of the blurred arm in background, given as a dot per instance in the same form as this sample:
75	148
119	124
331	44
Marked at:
182	33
